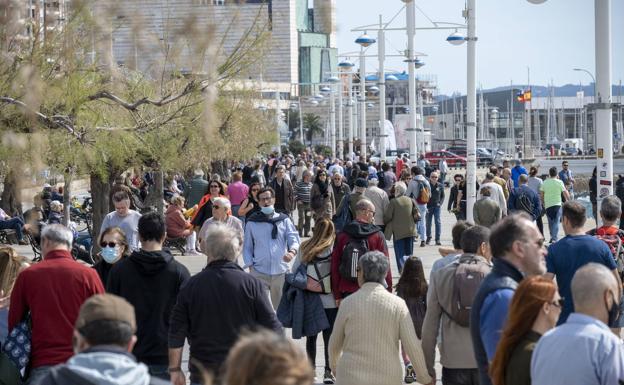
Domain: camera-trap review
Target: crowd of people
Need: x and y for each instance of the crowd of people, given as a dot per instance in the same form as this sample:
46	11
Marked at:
501	306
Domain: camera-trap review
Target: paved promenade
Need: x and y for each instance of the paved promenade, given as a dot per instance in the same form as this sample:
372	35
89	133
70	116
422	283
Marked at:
428	254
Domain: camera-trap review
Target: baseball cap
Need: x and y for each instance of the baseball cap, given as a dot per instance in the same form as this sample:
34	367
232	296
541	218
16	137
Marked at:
106	307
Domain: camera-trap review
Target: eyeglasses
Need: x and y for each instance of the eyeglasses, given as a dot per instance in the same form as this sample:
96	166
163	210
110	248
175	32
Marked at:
216	207
265	199
558	303
109	244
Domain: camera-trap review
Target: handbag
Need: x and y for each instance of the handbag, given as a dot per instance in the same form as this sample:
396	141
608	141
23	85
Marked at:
319	275
17	345
415	211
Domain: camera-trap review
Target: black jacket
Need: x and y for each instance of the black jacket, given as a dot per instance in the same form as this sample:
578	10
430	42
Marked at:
150	281
437	195
213	308
503	276
452	201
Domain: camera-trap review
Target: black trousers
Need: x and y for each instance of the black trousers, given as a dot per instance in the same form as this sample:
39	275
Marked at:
460	376
311	341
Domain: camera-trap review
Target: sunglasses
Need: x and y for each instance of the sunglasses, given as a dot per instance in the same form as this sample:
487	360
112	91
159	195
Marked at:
109	244
216	207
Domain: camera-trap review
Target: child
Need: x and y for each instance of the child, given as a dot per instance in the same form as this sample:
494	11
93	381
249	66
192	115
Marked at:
412	287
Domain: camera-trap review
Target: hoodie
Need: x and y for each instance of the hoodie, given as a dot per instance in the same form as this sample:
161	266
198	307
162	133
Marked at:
101	365
150	281
375	240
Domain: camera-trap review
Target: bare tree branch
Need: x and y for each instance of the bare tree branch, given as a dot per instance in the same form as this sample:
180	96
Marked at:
190	87
55	121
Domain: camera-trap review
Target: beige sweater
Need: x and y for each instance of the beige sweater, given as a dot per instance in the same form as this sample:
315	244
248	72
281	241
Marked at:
364	345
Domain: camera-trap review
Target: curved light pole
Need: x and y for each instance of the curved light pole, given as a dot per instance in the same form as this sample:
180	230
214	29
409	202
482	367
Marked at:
590	75
347	65
364	41
602	97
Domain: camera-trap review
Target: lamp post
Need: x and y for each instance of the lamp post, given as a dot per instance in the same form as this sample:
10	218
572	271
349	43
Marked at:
364	41
382	89
590	75
602	97
346	65
410	10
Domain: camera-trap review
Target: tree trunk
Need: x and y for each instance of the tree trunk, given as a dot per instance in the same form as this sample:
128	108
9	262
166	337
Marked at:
100	195
156	194
67	197
11	194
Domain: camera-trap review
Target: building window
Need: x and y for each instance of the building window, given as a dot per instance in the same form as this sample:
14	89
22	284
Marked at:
218	2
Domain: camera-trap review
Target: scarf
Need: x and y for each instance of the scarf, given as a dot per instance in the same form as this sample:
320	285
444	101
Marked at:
259	217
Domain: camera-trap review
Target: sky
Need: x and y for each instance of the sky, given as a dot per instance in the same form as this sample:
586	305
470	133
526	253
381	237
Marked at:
550	39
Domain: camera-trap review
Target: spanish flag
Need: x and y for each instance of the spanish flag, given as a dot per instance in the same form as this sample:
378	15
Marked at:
524	96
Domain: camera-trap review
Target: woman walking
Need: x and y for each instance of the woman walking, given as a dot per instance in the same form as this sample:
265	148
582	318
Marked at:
322	197
113	247
315	254
204	210
534	310
399	221
250	205
412	287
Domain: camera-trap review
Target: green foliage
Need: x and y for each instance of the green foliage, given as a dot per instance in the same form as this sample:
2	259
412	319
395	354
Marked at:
296	147
323	150
312	122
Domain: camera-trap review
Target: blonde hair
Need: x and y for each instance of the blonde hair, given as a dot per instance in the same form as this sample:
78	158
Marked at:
323	238
178	200
10	265
265	358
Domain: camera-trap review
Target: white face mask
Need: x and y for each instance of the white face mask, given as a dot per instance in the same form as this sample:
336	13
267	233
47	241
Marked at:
110	254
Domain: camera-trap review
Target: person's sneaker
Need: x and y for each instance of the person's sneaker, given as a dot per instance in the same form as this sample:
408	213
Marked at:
328	377
22	242
410	375
428	241
422	243
438	243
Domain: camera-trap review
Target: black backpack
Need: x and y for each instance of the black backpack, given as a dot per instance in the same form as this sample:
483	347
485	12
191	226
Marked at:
525	203
353	251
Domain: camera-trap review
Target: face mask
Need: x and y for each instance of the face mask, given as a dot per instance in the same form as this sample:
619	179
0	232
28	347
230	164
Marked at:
267	210
614	314
109	254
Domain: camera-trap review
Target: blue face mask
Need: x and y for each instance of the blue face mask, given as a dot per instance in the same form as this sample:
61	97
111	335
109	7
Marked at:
110	254
267	210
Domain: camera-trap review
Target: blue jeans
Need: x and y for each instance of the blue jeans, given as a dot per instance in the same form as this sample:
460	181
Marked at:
37	375
235	211
553	213
435	213
420	226
13	224
402	248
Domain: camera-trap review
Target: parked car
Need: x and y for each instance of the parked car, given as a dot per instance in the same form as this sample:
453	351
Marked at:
458	150
453	160
484	156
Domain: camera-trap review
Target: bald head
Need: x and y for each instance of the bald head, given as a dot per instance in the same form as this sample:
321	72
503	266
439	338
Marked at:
523	179
589	285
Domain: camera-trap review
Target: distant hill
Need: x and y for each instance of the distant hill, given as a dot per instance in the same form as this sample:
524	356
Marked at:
565	90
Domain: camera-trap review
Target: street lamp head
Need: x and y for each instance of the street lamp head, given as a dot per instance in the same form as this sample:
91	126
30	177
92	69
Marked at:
456	38
373	89
391	78
293	106
262	107
314	102
318	97
333	79
325	89
536	1
365	40
346	65
418	63
370	106
361	98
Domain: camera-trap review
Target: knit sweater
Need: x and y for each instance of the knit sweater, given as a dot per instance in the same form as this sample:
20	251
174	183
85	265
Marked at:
364	345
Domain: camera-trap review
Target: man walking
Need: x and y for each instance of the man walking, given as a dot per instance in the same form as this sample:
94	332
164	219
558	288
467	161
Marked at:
486	212
197	188
284	193
339	187
420	190
241	301
103	340
496	192
551	192
150	279
52	291
124	218
433	207
457	356
518	250
524	199
303	189
380	201
583	350
573	251
271	242
565	175
357	238
516	171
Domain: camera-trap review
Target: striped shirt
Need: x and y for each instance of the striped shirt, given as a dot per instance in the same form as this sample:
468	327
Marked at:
302	191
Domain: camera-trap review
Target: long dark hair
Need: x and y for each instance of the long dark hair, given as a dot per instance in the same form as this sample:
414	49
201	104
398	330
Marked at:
412	283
